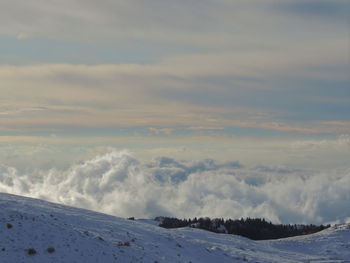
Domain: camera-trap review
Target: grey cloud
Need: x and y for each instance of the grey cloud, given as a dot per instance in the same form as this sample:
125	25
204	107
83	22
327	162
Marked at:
324	8
198	24
278	170
167	169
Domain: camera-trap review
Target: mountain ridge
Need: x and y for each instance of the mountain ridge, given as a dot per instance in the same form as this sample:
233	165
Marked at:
33	230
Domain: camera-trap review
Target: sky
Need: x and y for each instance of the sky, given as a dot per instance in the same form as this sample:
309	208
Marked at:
259	82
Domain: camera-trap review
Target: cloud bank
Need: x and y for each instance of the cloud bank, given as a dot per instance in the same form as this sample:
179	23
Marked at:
118	183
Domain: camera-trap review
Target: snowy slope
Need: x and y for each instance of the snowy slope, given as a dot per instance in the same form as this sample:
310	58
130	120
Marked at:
59	233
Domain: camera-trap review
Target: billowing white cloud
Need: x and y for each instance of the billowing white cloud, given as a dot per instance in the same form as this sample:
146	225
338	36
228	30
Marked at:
117	183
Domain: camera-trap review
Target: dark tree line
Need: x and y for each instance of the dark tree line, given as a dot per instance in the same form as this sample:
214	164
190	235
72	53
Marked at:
253	228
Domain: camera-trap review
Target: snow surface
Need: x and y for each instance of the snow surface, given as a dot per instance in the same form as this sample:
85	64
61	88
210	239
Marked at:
77	235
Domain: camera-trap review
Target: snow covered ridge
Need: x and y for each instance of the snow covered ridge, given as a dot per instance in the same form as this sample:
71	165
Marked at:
38	231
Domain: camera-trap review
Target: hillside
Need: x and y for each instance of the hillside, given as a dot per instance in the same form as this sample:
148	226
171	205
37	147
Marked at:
38	231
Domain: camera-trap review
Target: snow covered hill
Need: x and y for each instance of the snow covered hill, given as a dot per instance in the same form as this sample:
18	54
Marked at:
38	231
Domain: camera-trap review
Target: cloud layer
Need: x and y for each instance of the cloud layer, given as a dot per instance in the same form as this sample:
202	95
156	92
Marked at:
165	64
189	22
117	183
230	91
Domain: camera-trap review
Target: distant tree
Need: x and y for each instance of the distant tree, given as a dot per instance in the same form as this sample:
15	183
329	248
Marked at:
257	228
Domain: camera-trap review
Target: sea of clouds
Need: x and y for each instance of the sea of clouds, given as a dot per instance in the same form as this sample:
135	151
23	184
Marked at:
118	183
